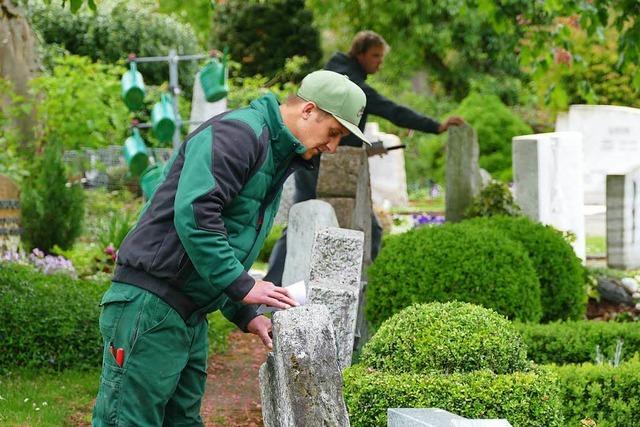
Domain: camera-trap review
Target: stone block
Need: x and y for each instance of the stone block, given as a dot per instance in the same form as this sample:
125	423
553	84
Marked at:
434	417
623	220
463	179
336	258
201	110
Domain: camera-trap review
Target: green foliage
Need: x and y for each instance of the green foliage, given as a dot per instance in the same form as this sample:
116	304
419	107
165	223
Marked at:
495	125
453	262
575	341
48	321
79	104
197	13
604	394
115	229
110	35
269	242
560	272
219	330
524	398
52	211
262	35
446	338
494	199
12	108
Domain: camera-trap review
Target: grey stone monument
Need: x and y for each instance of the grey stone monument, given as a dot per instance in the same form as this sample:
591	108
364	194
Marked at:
623	220
547	173
434	417
286	201
201	110
334	280
305	219
301	382
463	179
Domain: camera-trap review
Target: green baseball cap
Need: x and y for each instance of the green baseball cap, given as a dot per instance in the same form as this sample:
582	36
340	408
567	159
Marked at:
338	96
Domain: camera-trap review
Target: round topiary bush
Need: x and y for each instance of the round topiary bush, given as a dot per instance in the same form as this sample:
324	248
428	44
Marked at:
559	270
446	338
453	262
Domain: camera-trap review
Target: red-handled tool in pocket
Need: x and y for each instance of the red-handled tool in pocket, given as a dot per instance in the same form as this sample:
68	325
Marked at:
120	357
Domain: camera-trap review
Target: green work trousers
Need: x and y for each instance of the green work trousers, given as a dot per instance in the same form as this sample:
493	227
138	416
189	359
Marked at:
162	379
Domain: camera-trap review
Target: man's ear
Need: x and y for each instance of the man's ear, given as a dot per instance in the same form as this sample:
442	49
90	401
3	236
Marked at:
307	108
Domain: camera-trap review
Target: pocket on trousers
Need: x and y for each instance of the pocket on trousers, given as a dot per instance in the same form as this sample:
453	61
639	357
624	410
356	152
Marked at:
108	399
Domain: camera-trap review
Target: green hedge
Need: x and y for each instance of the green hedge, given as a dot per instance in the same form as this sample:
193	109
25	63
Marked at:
560	272
523	398
608	395
453	262
445	338
576	341
48	321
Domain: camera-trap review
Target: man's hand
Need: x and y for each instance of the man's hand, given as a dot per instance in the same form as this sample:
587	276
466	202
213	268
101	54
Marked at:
451	121
261	326
269	294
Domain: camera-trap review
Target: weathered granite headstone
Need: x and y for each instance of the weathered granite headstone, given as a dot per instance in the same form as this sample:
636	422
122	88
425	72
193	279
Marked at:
388	174
9	215
201	110
433	417
305	219
547	173
463	179
611	143
623	220
286	200
301	382
334	280
343	181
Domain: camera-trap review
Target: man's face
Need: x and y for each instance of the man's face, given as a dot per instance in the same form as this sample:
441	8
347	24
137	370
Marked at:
320	132
372	59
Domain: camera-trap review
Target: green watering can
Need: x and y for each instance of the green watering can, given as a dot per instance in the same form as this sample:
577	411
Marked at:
135	153
132	88
150	180
163	119
213	78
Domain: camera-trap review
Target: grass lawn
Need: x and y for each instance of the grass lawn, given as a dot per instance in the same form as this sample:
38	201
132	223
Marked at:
596	245
36	398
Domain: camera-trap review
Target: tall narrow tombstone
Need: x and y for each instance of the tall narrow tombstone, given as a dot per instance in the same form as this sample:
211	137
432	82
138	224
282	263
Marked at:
334	280
547	172
9	215
305	219
301	382
611	143
201	110
463	179
343	181
623	220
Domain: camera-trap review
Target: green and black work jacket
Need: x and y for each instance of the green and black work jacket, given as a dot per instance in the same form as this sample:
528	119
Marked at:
204	226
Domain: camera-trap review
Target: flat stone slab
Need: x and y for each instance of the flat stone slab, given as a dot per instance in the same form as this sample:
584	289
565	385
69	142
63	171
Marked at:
434	417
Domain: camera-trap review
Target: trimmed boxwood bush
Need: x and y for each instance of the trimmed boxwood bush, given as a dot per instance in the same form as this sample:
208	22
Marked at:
446	338
576	341
48	321
560	272
524	398
608	395
453	262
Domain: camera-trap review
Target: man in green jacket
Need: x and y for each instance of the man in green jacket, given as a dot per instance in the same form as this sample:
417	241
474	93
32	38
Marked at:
197	237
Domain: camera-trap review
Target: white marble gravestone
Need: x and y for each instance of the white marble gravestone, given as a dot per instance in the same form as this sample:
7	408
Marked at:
611	143
201	110
623	220
547	172
388	175
434	417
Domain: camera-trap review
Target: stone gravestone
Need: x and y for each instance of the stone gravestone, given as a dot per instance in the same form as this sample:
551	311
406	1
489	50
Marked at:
434	417
301	382
463	179
305	219
201	110
343	182
611	143
623	220
286	201
9	215
388	175
547	173
334	280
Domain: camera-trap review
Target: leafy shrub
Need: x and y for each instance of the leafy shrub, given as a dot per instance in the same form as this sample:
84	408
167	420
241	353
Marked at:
52	212
453	262
494	199
11	111
445	338
256	36
559	270
606	395
109	36
524	398
576	341
79	104
219	330
48	321
269	242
